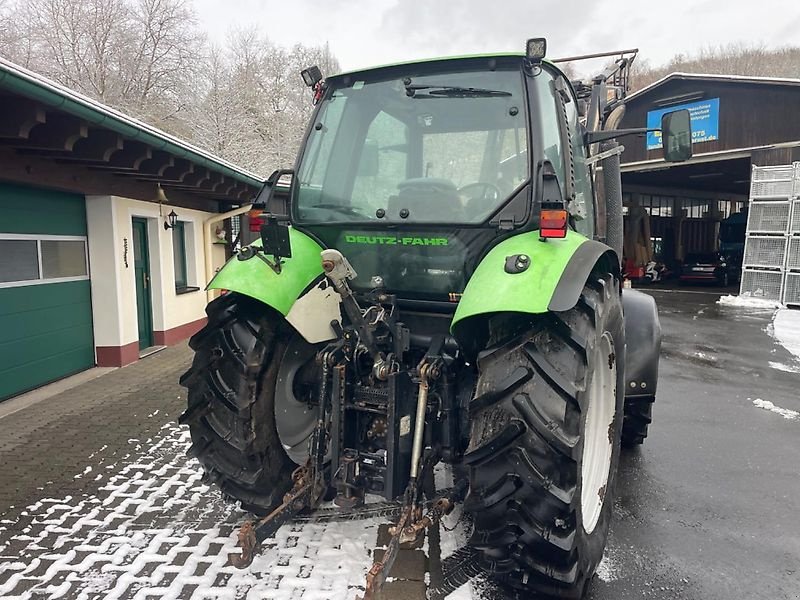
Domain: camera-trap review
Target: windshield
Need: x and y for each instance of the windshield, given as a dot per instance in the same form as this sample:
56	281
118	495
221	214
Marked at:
442	148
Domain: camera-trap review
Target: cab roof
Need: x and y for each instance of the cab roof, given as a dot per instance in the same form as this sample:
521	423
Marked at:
501	55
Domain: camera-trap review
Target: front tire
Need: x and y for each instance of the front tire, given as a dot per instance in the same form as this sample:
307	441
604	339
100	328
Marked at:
231	402
544	446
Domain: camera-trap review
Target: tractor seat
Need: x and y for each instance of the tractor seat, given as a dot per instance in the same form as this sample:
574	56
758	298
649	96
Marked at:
427	199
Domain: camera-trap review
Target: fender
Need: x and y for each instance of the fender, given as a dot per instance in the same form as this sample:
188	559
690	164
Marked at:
642	343
553	281
299	292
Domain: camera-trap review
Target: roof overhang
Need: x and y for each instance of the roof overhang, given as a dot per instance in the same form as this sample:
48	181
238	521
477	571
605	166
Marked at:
714	78
48	131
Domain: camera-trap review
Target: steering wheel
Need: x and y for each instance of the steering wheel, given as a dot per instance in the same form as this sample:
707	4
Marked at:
480	185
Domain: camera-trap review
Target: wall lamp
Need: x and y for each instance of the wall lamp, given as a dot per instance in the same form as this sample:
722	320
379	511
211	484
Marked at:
172	219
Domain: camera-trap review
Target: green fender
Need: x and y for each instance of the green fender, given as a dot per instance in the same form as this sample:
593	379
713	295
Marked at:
254	278
558	270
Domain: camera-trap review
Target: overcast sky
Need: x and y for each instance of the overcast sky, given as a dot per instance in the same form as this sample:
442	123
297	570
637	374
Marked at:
362	33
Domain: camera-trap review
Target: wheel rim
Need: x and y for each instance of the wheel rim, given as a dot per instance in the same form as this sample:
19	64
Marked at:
295	419
598	441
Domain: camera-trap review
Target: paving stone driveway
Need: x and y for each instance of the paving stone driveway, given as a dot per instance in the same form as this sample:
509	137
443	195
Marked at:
97	500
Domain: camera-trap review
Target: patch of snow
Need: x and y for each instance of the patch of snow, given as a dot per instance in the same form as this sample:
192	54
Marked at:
155	530
465	592
477	588
85	471
747	301
786	330
453	532
784	412
787	368
608	568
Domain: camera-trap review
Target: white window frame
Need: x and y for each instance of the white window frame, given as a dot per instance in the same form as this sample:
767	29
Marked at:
39	238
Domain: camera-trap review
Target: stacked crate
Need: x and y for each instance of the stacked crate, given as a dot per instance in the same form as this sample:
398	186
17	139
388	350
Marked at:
791	290
771	264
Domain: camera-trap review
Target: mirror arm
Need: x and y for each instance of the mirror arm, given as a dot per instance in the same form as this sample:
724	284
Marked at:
593	137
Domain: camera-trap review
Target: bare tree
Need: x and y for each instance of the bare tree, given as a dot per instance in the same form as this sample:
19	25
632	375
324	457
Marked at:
245	101
137	55
262	87
732	59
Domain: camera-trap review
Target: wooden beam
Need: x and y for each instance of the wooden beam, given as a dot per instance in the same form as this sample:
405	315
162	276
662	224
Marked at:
174	174
213	184
189	189
37	171
130	158
19	116
227	187
196	178
99	147
158	163
216	180
59	132
247	192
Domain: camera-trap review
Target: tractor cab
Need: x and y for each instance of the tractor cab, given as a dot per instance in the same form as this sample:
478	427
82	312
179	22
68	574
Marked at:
412	171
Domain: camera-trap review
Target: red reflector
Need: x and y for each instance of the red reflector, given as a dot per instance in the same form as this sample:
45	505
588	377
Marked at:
255	220
553	219
553	233
553	224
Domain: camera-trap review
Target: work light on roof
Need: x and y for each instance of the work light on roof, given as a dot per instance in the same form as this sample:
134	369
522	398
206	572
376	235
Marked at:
311	76
536	49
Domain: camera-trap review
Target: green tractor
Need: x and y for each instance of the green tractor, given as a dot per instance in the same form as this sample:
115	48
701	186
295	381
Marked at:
438	280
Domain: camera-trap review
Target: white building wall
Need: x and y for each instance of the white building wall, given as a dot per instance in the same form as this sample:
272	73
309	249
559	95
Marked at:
106	255
113	285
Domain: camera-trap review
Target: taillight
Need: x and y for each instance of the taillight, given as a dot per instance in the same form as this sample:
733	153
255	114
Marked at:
553	223
256	220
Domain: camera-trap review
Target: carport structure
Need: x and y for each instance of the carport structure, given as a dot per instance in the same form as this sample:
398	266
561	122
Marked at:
89	274
737	122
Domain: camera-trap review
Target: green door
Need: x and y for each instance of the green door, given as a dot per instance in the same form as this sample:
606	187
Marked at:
45	293
141	265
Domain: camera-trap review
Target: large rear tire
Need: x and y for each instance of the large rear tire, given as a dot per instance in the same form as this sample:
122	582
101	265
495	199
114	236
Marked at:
544	446
231	401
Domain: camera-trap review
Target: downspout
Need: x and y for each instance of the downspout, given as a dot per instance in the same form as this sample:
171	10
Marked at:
207	242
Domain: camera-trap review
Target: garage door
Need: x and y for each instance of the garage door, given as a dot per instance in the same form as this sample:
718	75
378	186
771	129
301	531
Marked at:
45	297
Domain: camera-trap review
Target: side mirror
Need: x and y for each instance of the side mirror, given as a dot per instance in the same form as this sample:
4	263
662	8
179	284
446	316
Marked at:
676	135
368	165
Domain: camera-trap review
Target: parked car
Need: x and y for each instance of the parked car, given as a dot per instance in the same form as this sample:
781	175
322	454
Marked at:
710	267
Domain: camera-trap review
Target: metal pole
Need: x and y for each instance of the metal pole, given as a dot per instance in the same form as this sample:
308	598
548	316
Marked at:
597	55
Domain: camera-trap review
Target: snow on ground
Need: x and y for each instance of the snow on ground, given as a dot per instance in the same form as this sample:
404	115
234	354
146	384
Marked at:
155	531
783	367
784	412
746	301
608	568
786	330
454	532
785	326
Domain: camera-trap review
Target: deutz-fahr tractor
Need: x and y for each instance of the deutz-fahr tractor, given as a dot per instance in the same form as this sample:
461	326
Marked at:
438	281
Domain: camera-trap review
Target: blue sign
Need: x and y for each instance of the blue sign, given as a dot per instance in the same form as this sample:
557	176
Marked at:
705	122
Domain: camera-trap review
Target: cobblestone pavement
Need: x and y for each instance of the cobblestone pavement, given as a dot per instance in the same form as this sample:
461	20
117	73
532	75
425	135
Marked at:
97	500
